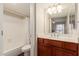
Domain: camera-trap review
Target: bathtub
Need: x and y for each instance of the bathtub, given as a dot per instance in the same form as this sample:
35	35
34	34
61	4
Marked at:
13	52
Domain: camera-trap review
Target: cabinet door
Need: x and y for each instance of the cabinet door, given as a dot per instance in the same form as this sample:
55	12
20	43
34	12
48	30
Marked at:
78	49
40	50
44	51
69	53
57	51
70	46
52	50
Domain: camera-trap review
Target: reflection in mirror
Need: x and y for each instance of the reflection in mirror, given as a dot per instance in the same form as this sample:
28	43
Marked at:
72	21
58	24
62	18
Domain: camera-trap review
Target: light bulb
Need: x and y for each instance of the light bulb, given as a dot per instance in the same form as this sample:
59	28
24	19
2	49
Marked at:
53	22
59	8
49	11
59	11
54	10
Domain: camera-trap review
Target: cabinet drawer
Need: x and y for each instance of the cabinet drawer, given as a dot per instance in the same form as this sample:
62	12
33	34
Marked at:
70	46
69	53
56	43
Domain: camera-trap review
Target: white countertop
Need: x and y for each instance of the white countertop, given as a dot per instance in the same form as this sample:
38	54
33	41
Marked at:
67	38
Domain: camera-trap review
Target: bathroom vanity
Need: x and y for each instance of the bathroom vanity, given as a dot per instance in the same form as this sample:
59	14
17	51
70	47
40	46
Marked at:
51	47
60	32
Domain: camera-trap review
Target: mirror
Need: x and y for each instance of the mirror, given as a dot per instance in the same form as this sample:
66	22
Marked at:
58	24
61	25
61	18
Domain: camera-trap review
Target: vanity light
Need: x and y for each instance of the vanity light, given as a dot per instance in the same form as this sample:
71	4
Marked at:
49	11
55	9
59	8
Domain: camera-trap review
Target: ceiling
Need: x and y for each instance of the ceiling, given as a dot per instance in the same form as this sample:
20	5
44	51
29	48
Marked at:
21	8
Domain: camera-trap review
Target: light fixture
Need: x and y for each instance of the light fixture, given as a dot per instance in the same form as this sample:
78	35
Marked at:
49	11
57	8
54	10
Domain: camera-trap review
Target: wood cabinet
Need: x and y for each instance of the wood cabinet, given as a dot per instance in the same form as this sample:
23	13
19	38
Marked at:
56	51
70	46
69	53
47	47
44	51
78	49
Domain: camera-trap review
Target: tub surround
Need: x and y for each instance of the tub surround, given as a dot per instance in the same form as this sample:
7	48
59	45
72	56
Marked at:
13	52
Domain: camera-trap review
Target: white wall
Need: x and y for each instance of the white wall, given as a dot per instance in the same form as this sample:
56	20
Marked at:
39	18
42	18
32	29
1	18
15	32
77	16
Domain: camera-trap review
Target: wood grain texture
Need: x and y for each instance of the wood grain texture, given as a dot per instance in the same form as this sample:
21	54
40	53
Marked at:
78	49
47	47
70	46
